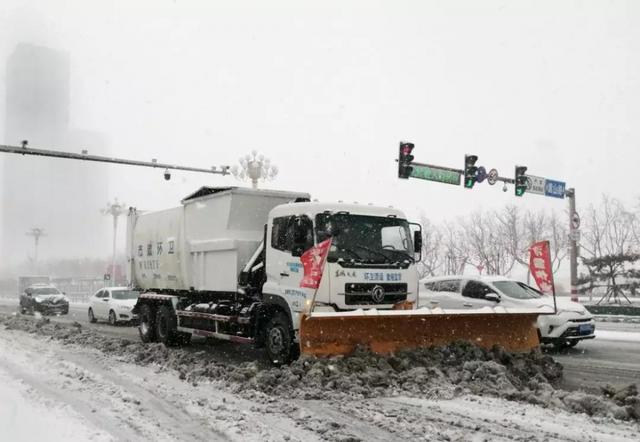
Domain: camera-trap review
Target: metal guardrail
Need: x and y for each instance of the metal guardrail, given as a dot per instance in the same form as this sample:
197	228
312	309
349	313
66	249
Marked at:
626	310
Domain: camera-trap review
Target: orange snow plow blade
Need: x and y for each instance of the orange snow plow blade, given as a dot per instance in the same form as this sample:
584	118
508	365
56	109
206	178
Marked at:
327	334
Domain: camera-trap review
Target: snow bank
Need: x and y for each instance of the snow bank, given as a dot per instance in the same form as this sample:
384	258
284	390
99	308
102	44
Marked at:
25	417
444	372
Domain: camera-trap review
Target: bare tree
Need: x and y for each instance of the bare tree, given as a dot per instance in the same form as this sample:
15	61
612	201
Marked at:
558	235
609	239
609	229
432	249
486	243
456	252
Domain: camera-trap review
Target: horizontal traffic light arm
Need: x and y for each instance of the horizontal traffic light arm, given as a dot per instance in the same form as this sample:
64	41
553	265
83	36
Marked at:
23	150
460	171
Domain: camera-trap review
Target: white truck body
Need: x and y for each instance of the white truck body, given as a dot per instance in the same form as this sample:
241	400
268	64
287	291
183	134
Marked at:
202	244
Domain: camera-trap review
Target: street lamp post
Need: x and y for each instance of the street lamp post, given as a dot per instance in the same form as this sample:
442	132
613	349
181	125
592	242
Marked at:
255	167
114	209
36	232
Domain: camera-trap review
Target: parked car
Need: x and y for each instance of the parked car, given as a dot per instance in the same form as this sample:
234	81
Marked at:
113	304
45	299
571	324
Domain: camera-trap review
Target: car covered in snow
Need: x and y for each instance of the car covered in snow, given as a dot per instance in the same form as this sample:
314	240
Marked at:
571	324
45	299
113	304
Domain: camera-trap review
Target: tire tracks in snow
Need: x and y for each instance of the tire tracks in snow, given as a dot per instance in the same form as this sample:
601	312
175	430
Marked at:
106	399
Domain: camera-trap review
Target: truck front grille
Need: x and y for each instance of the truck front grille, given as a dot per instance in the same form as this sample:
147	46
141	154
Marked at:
362	293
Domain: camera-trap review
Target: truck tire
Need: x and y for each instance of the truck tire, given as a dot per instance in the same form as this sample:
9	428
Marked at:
147	327
279	343
166	326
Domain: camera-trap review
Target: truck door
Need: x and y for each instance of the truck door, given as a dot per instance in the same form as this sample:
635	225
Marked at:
290	237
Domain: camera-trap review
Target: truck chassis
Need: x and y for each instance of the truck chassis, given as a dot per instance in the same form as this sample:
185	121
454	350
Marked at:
173	318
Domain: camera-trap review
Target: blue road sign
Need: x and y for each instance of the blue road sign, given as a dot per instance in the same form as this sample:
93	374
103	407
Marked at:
554	189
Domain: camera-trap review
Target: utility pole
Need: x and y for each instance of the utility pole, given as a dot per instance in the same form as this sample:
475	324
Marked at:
114	209
255	167
574	224
36	232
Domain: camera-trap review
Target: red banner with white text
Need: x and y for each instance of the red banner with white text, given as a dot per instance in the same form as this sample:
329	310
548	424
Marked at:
313	262
540	266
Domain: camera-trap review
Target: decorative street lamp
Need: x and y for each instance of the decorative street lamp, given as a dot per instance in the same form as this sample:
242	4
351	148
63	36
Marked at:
36	232
255	167
114	209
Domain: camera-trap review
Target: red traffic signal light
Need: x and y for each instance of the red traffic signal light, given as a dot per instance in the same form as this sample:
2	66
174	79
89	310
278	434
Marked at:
404	160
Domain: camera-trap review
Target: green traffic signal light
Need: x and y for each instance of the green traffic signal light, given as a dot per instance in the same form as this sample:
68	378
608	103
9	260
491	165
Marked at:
470	170
520	180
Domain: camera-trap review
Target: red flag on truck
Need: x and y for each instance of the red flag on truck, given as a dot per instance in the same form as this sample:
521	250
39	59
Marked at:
540	266
313	261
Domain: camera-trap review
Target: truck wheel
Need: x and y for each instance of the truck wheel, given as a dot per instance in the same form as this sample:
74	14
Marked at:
147	327
112	317
166	326
92	318
279	343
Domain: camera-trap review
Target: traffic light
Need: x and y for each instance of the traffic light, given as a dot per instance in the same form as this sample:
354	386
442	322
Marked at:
404	160
520	180
470	170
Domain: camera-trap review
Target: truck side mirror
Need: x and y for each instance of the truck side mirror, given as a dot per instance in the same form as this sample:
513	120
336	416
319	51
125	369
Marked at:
417	241
492	297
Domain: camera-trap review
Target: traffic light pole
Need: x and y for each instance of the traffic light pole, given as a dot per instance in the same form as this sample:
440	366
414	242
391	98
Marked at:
573	243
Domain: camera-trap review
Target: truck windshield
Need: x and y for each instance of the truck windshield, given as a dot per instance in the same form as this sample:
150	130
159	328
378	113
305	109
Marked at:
367	239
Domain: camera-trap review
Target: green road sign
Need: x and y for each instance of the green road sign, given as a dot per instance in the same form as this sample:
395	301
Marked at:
435	174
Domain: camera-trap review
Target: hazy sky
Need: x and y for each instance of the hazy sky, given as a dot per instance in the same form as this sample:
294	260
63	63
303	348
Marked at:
327	89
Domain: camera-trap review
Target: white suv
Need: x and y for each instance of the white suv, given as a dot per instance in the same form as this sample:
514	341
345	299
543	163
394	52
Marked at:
571	324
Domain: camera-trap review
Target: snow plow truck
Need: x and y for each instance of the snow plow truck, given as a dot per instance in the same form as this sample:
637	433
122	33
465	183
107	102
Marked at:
226	264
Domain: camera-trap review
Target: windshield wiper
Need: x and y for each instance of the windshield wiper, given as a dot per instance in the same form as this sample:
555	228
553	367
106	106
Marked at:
353	252
403	253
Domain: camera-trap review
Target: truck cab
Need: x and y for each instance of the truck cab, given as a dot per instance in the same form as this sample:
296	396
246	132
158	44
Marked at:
371	262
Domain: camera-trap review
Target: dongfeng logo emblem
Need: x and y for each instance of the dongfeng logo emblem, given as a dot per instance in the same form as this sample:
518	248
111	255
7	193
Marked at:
377	294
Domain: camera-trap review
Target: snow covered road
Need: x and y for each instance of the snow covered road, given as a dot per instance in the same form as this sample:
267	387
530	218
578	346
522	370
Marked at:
81	391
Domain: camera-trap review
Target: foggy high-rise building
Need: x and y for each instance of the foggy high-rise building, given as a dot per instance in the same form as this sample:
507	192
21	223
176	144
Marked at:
61	196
